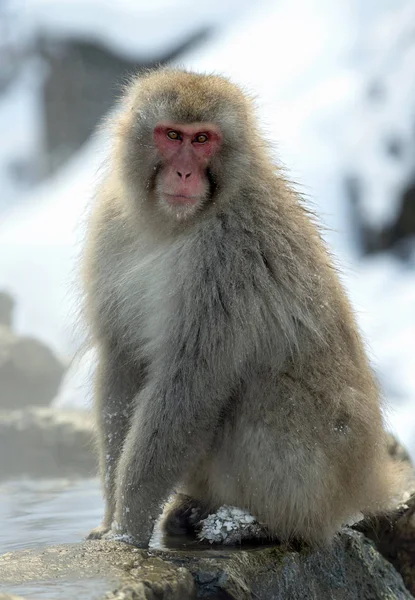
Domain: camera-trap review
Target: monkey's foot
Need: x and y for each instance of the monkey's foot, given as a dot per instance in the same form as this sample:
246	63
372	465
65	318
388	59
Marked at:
98	532
182	515
231	525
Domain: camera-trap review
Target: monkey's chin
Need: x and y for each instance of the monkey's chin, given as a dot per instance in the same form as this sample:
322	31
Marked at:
178	207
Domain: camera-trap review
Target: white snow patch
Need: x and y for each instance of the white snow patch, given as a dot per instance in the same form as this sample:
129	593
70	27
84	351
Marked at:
230	525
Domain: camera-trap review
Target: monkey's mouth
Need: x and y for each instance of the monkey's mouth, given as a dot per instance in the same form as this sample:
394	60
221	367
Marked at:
180	199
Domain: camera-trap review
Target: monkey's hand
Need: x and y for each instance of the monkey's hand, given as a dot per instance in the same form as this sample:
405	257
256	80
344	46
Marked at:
115	534
133	524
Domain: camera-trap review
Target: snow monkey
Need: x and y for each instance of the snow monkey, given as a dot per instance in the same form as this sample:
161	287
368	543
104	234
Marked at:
230	365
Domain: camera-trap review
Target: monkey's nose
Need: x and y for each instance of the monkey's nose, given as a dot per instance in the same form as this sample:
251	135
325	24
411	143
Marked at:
183	175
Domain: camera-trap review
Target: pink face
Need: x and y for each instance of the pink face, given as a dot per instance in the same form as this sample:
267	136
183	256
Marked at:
185	151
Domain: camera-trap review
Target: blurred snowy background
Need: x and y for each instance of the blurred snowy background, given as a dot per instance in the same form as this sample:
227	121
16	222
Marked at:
336	91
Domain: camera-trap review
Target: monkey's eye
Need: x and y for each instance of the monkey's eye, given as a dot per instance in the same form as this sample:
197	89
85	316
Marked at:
201	138
173	135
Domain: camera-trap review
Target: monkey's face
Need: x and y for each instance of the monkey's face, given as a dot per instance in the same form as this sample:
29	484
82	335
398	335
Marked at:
183	182
185	143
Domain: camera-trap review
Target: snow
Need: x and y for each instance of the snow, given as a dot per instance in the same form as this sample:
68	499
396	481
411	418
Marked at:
230	525
382	290
134	28
310	74
20	126
387	59
39	241
301	88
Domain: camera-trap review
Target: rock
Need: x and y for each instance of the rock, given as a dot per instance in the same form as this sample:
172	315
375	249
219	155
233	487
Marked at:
156	579
6	309
30	373
404	545
351	569
394	537
46	442
394	533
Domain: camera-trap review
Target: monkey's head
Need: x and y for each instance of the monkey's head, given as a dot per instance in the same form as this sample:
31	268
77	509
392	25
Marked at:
184	141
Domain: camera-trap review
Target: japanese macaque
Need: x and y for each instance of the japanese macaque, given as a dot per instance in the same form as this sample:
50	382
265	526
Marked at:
230	365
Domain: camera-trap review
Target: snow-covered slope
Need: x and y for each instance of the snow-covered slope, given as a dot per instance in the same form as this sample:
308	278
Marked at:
309	64
133	28
383	114
39	245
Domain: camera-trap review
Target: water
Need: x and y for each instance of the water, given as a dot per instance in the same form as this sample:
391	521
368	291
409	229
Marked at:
85	589
36	513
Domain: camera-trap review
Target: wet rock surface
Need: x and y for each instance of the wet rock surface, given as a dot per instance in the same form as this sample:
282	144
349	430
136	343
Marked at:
45	442
351	569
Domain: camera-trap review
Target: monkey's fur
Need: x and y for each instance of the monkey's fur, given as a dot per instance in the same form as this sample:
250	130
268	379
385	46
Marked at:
230	364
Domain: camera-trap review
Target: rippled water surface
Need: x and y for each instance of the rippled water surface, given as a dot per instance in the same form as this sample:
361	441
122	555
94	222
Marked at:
35	513
43	512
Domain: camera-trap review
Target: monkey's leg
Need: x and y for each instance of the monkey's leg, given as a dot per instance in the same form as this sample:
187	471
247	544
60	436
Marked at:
116	384
295	472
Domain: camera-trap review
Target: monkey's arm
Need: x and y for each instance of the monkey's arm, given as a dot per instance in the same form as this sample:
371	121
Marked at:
198	365
115	388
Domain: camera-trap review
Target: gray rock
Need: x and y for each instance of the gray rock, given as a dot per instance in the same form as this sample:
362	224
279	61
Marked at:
46	442
351	569
394	537
6	309
30	373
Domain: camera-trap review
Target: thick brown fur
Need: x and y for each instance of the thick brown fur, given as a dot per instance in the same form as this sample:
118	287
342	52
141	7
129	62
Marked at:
230	364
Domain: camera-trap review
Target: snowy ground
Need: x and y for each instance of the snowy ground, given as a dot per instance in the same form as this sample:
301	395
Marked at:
311	75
